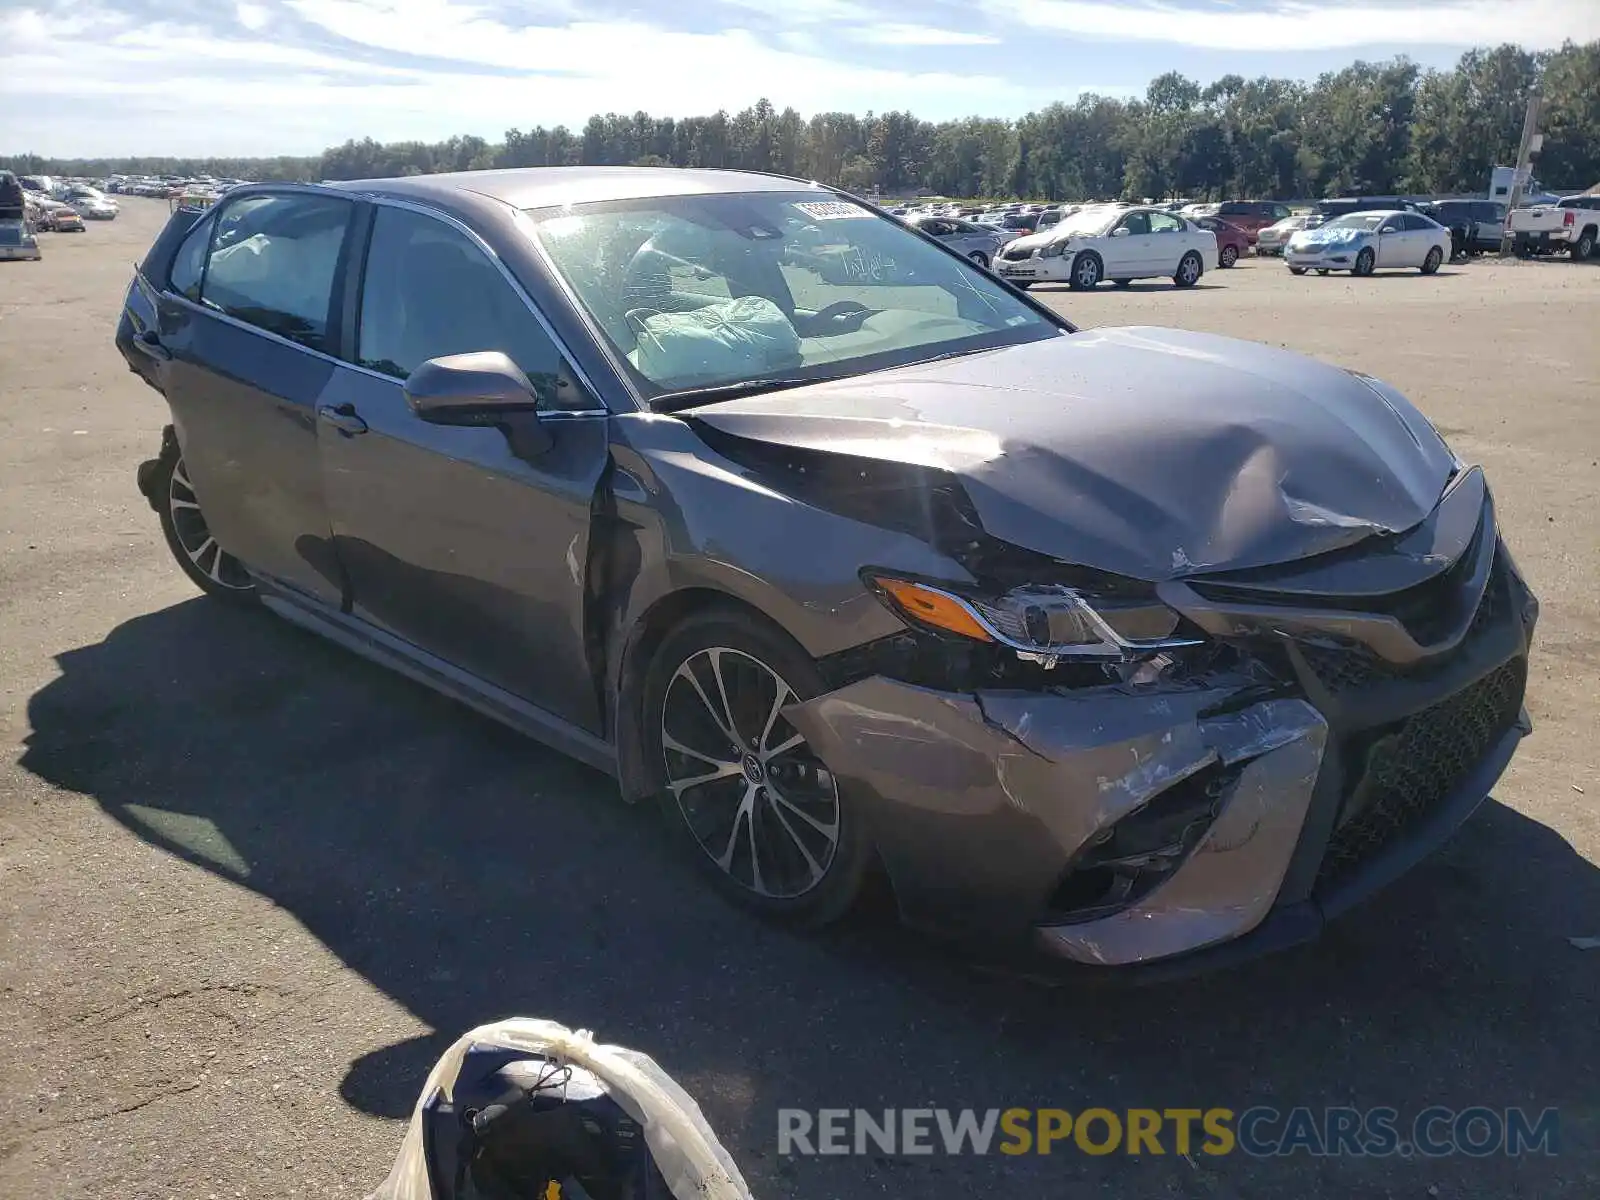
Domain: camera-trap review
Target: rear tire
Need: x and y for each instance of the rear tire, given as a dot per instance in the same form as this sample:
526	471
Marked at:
753	805
1188	272
1583	247
1430	264
209	567
1297	270
1122	282
1228	256
980	258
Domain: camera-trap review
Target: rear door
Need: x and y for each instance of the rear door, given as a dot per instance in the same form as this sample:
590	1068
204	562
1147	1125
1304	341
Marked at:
1169	242
451	541
246	332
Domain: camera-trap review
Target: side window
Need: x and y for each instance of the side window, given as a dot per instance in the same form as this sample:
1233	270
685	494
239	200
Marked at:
1234	208
1392	225
1164	223
188	263
273	262
937	228
1136	223
429	291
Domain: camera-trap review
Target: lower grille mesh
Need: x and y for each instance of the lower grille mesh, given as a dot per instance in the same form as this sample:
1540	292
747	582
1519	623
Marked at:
1418	764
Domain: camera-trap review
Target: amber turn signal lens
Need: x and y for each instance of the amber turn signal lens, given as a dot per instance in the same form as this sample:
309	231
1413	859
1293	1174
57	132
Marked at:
933	607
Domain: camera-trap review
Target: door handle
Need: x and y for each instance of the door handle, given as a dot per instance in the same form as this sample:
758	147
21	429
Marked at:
342	417
149	344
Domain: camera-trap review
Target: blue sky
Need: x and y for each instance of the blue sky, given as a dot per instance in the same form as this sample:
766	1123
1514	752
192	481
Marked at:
92	77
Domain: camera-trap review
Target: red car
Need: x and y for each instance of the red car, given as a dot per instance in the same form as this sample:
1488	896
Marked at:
1232	242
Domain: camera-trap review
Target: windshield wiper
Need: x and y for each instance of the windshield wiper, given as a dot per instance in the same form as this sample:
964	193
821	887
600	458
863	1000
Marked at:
690	397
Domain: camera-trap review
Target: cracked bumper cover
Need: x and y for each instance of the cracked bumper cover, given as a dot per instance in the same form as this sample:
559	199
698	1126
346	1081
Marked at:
979	803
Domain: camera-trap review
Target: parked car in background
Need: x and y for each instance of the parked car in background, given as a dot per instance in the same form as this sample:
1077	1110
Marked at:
1119	646
1571	224
980	243
1475	225
17	240
1112	242
13	200
1233	243
1252	216
91	203
1272	239
1340	206
1363	242
65	219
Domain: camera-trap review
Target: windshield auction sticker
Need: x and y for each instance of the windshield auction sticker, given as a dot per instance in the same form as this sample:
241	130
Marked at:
833	210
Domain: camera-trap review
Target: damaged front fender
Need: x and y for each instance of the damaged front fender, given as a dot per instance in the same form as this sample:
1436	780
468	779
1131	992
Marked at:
981	803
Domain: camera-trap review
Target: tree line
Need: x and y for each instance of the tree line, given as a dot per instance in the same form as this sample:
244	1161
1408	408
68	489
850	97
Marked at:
1378	127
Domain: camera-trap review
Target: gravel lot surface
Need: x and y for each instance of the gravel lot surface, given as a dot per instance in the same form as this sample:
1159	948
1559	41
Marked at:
250	885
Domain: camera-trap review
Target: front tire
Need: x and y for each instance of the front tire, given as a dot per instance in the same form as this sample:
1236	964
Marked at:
755	807
1365	262
1297	270
1228	256
209	567
1188	272
1087	271
1430	264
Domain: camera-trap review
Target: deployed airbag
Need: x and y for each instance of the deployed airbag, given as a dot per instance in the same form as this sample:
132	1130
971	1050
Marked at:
730	339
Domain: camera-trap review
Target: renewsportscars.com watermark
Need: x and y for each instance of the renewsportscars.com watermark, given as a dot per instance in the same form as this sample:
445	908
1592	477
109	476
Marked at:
1260	1132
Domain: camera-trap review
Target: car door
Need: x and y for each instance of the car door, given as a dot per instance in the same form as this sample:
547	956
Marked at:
1394	247
244	334
1169	242
451	541
1422	235
1127	250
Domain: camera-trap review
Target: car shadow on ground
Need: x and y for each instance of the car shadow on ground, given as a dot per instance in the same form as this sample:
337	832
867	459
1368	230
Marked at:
469	875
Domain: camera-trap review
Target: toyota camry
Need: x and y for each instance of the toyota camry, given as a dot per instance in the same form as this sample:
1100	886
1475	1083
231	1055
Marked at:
1135	647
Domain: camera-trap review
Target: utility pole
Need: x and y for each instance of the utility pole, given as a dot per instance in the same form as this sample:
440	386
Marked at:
1519	181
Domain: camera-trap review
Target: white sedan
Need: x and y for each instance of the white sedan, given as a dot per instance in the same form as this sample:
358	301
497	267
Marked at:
1361	242
1111	241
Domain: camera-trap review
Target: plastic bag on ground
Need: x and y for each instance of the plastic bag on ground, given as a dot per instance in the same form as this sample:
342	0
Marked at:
686	1152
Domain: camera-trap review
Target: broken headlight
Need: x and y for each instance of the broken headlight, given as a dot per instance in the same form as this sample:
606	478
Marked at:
1041	622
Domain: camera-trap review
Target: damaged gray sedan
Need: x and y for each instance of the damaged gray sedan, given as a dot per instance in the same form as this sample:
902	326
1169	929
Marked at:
1136	647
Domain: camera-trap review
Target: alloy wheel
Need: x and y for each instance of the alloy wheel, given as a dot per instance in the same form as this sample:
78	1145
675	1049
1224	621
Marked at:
1086	271
194	536
752	792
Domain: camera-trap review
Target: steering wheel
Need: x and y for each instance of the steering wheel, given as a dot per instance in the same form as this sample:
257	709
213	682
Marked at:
843	310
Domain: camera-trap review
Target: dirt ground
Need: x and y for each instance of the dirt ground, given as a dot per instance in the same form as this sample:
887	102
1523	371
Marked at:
250	885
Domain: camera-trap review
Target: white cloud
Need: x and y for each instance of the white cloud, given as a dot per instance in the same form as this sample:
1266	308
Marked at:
1290	25
897	33
251	16
183	89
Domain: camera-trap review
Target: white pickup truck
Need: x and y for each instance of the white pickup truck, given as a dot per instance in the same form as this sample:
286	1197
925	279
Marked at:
1571	224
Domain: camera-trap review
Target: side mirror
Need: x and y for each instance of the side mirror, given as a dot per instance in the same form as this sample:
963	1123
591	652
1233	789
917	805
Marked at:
484	388
1121	231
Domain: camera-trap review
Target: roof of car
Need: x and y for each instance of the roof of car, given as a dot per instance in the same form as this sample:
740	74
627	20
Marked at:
546	187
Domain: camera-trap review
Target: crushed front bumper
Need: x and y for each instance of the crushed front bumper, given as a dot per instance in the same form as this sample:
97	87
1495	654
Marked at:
1298	800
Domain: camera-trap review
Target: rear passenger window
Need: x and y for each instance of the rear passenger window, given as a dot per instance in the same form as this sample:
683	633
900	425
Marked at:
273	262
189	262
430	291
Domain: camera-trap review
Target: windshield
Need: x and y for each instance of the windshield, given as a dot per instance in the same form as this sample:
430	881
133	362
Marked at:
725	289
1356	221
1088	222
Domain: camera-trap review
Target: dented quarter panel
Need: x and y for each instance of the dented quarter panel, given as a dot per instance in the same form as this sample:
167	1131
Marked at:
1150	453
978	802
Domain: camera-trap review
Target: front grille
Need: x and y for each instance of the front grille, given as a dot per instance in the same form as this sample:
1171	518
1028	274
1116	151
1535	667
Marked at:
1414	766
1351	668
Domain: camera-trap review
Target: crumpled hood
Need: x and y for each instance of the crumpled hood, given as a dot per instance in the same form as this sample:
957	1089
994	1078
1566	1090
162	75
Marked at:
1152	453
